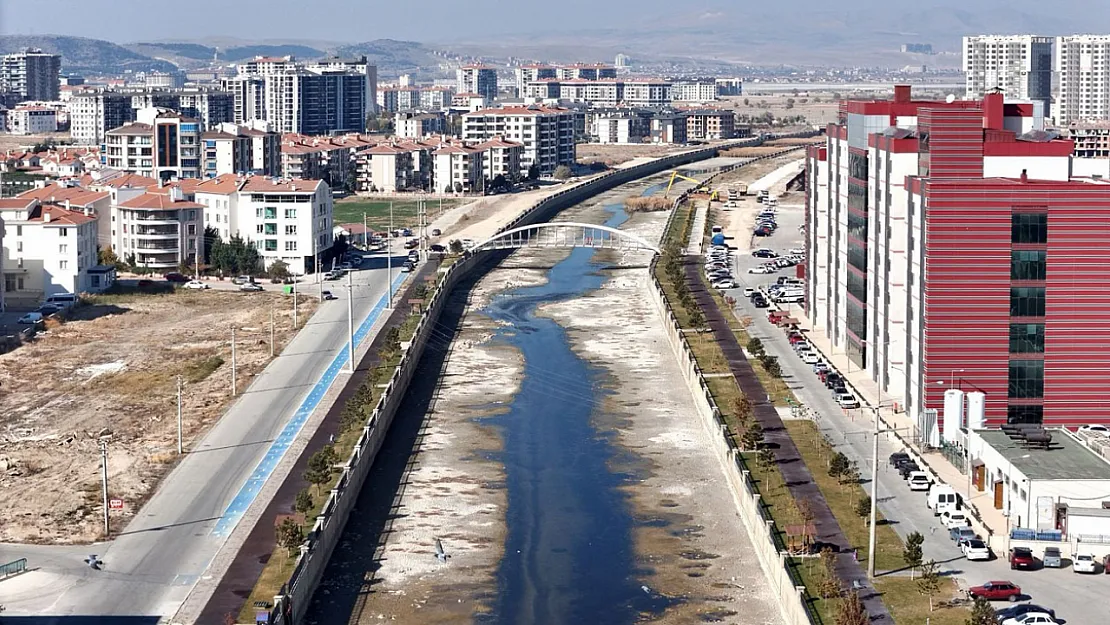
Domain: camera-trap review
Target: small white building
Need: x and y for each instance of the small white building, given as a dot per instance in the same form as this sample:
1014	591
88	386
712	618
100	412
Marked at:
48	250
620	127
32	120
458	168
1036	487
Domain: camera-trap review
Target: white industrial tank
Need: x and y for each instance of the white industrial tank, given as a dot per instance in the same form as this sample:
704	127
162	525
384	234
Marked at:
976	410
953	415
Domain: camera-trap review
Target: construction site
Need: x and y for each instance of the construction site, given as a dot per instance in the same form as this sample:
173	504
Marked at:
111	373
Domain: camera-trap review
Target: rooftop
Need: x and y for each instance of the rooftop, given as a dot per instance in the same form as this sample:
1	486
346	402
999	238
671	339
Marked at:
1068	459
158	201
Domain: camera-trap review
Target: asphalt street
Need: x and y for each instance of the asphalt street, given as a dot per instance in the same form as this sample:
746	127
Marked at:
151	567
1076	598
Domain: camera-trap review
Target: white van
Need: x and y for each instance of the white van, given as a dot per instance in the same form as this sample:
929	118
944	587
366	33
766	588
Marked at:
943	497
62	300
717	230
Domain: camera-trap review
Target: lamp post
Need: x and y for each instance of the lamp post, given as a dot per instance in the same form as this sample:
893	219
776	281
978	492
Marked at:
952	377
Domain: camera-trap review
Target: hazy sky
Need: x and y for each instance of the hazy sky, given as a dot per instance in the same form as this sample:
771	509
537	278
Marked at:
126	21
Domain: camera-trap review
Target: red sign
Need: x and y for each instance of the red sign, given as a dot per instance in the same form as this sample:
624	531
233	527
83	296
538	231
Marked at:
115	504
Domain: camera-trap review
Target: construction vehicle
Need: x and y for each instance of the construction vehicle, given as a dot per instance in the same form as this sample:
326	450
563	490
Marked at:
675	175
735	192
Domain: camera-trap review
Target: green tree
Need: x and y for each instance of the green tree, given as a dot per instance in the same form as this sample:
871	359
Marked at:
766	457
851	611
863	507
279	270
829	586
850	475
290	535
562	172
303	502
211	237
697	318
771	366
913	553
982	613
929	583
534	172
456	246
752	437
320	467
838	465
755	347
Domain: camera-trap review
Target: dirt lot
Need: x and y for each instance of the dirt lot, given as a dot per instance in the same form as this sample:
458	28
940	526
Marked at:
112	371
616	154
818	109
11	142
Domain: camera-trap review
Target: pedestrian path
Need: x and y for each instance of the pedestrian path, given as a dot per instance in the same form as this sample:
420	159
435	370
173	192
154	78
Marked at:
697	233
789	460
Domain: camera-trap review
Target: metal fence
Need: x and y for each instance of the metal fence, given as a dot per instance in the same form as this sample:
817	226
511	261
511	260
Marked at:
13	568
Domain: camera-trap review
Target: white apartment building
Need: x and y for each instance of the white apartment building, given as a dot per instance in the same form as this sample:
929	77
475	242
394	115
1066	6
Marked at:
287	220
48	250
620	127
241	149
159	227
479	79
1018	65
586	71
318	99
547	134
32	120
1082	67
416	125
387	168
92	115
502	158
458	169
646	92
528	74
161	144
31	73
697	91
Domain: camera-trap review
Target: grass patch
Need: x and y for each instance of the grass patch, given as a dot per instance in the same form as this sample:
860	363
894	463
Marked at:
351	210
907	605
808	571
842	499
201	368
275	573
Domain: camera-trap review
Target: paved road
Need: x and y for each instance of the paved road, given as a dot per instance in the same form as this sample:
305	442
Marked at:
152	566
1076	599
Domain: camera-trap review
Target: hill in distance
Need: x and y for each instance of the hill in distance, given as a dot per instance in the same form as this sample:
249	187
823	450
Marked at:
81	55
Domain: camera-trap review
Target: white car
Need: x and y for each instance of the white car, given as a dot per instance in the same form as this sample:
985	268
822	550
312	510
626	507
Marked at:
1083	563
1031	618
847	400
749	291
810	358
976	549
195	284
919	480
797	251
1095	427
761	270
953	519
724	284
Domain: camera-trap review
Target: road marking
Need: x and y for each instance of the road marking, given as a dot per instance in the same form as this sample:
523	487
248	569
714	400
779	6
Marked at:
276	452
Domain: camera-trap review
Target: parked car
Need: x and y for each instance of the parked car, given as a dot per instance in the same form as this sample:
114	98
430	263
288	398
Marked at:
764	253
1031	618
1020	557
919	480
437	249
1084	563
174	276
976	549
760	302
49	309
31	318
327	295
241	280
1023	609
961	535
847	400
724	284
761	270
1051	558
906	468
436	232
810	358
748	291
896	457
1095	427
996	591
195	285
250	287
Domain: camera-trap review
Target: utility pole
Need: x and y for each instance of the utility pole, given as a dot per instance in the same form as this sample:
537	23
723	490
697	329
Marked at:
365	233
104	482
874	493
319	280
423	210
179	415
389	257
350	324
196	262
233	362
271	330
295	324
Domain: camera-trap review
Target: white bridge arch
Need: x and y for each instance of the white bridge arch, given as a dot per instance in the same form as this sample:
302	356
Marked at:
565	234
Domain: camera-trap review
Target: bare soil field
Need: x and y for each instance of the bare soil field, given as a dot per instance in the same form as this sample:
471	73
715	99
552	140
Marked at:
11	142
616	154
112	371
817	109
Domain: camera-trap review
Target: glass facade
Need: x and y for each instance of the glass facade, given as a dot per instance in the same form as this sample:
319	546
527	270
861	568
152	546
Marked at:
1027	265
1027	301
1026	379
857	286
1025	414
1026	338
1029	228
1026	375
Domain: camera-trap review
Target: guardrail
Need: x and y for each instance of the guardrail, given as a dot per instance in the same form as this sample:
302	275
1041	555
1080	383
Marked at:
13	568
290	606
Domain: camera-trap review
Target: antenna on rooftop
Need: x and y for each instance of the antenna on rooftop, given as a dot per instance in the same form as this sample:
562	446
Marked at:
951	98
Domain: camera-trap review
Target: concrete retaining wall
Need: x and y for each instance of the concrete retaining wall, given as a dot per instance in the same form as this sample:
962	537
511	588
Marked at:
291	606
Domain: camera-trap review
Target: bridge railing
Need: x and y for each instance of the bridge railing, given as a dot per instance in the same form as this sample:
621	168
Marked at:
13	568
290	606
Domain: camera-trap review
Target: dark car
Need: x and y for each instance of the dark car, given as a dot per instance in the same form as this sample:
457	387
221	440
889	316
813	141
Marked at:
1022	558
146	284
760	302
412	244
762	232
765	253
834	379
327	295
907	467
174	276
996	591
437	249
1017	611
897	457
48	309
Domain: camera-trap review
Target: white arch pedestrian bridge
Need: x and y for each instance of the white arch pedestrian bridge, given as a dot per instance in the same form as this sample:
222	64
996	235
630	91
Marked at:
565	234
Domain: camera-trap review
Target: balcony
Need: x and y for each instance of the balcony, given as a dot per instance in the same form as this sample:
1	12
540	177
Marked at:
155	247
164	232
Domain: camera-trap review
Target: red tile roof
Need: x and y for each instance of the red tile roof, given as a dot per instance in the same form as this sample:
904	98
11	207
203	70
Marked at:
225	184
59	195
157	201
118	182
16	203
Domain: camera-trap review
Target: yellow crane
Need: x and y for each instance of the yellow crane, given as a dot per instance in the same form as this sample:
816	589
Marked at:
675	175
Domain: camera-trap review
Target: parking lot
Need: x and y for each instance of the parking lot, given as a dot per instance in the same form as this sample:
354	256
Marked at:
1075	598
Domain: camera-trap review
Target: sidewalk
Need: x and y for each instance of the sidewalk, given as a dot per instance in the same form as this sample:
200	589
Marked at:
697	233
902	426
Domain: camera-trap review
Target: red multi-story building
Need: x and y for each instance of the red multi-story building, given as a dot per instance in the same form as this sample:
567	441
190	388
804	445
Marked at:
949	246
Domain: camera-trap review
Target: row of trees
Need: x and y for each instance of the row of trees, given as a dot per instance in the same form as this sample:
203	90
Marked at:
769	363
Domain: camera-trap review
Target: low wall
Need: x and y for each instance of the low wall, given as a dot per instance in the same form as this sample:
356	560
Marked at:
290	607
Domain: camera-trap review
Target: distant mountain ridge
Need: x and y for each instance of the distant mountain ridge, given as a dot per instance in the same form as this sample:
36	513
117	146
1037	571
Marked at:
82	55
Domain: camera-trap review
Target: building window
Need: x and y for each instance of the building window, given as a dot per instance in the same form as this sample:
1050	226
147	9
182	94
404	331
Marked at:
63	264
290	246
192	230
1026	379
63	232
291	229
271	245
1027	301
258	229
290	213
63	249
1029	228
1027	265
1025	414
1026	338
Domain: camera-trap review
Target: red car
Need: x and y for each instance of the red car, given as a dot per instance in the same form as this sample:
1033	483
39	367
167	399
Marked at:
996	591
174	276
1022	558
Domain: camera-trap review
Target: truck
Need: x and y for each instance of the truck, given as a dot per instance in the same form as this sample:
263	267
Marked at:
735	192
